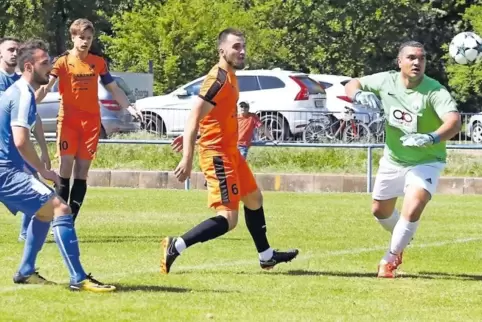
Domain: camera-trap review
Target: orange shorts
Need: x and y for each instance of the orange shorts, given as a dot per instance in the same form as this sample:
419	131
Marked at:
78	135
229	178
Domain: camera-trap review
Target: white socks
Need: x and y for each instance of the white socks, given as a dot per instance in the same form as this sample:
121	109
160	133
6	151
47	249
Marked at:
180	245
266	255
389	223
401	237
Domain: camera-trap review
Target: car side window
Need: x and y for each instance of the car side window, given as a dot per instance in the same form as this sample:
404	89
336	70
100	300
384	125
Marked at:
325	84
248	83
194	88
270	82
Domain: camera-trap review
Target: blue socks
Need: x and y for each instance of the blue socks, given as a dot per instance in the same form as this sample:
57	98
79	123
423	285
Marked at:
66	239
36	234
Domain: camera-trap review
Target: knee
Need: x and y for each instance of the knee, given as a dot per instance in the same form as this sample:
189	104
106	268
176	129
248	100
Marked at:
231	217
379	211
253	200
232	223
60	207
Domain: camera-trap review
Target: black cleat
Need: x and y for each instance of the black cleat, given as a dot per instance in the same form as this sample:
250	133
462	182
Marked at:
279	257
34	278
169	254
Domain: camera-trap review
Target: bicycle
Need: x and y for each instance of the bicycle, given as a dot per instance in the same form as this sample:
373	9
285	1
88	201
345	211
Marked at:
347	129
377	128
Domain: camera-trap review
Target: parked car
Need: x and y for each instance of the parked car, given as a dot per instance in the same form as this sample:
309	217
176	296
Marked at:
284	100
336	99
473	128
113	118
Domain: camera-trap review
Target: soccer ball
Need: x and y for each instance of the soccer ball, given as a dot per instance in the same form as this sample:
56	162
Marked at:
466	48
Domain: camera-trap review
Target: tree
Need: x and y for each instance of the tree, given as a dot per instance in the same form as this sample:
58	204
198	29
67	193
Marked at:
180	37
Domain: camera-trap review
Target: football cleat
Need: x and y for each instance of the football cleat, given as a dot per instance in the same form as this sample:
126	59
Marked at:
34	278
386	270
22	237
278	257
92	285
169	254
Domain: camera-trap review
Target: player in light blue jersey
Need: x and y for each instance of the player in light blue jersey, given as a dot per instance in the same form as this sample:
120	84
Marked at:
8	76
23	192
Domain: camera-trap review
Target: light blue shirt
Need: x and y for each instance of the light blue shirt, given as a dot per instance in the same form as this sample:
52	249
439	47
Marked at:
17	108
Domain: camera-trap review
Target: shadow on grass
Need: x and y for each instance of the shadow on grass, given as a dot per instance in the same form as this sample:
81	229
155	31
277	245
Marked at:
454	276
114	239
130	239
166	289
420	275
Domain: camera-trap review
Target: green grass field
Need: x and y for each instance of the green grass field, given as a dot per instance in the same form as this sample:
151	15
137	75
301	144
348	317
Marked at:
332	279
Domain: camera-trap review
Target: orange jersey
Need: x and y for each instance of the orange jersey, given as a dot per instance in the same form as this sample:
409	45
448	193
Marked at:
219	129
78	82
246	128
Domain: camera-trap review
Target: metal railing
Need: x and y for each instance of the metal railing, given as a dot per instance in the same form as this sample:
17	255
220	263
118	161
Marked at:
308	125
368	146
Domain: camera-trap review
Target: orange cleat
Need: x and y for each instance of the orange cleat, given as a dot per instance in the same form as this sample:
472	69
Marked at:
386	270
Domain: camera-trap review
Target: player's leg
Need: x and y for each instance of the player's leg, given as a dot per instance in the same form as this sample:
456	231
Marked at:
420	185
67	145
26	217
255	219
389	185
54	209
223	196
83	160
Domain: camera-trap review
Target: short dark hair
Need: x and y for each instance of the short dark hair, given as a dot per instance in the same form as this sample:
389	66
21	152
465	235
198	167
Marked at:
410	43
226	32
27	50
4	39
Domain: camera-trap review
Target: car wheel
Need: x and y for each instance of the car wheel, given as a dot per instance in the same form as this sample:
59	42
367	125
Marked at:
154	124
476	134
276	125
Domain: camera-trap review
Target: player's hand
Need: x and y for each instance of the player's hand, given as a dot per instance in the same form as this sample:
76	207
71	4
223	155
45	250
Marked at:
368	99
416	139
45	158
50	175
135	113
183	170
177	144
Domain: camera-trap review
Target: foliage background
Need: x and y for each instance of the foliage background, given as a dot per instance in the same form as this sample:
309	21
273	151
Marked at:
351	38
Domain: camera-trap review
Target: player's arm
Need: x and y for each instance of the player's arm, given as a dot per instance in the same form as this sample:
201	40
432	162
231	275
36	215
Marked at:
446	109
366	90
117	93
21	134
38	133
42	91
200	109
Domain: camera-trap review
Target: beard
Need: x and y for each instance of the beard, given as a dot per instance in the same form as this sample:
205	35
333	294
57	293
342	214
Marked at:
233	63
40	79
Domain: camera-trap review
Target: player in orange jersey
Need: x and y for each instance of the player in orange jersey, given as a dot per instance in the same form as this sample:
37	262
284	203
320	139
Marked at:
78	130
229	179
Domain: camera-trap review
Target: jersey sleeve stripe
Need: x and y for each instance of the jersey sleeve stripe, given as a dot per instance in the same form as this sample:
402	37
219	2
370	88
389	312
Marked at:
215	87
23	108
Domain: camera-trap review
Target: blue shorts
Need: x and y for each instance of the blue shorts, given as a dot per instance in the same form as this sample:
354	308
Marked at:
22	192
